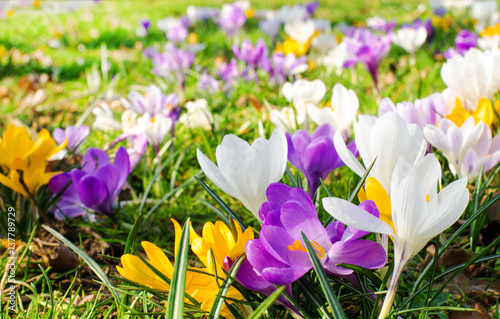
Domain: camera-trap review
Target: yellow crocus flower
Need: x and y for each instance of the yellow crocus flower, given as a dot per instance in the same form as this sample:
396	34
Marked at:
201	284
33	176
484	112
16	143
491	30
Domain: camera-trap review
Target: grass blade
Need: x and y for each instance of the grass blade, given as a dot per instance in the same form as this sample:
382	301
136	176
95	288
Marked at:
334	303
266	303
226	284
223	205
92	264
175	303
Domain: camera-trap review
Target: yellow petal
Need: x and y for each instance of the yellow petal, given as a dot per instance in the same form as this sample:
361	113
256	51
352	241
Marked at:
376	192
178	232
459	114
239	248
484	112
158	259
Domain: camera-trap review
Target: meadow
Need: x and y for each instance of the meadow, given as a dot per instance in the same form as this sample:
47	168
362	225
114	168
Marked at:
272	159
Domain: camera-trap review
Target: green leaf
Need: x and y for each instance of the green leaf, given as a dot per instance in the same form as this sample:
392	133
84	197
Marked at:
223	205
266	303
334	303
226	284
175	303
92	264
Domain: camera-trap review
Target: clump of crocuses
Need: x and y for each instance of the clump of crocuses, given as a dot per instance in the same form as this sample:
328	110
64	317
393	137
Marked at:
92	189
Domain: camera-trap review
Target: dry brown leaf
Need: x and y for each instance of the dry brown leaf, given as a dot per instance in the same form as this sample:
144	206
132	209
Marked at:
65	260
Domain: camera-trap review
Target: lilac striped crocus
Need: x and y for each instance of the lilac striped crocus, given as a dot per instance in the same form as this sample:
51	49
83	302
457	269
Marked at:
315	155
94	187
279	255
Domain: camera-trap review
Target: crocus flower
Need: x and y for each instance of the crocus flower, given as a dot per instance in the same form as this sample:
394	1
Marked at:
254	56
228	72
104	119
95	186
481	11
172	63
152	102
286	66
231	18
464	41
473	76
484	112
467	147
419	213
75	137
16	143
410	39
292	13
245	171
198	115
315	156
341	112
300	31
303	92
428	110
208	83
279	255
380	24
202	284
324	42
175	29
284	119
155	128
270	27
367	48
138	149
427	24
384	140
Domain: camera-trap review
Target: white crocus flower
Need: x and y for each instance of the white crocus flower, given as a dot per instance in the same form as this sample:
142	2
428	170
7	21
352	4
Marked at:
198	115
284	119
341	114
104	119
303	92
384	140
419	213
324	42
336	57
155	128
489	42
481	12
245	171
300	31
457	143
410	39
473	76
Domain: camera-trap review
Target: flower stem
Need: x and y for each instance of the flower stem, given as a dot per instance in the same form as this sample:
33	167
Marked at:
391	293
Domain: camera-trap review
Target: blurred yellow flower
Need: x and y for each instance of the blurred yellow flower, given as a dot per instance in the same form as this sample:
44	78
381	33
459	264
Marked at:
491	30
484	112
26	160
201	283
442	23
33	176
16	143
292	46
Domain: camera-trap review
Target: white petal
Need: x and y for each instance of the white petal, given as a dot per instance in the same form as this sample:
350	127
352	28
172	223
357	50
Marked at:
347	156
213	173
288	91
354	216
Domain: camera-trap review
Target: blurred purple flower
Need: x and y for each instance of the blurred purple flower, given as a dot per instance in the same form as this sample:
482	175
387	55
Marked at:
172	63
208	83
285	67
315	156
152	102
270	27
146	23
464	41
75	136
368	49
255	56
279	255
380	24
228	72
96	186
231	18
149	52
311	7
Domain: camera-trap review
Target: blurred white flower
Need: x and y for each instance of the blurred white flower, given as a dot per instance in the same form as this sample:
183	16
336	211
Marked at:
284	118
303	92
300	31
198	115
410	39
104	119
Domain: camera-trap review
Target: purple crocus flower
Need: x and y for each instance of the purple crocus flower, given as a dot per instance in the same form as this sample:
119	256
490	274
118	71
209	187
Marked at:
177	33
311	7
149	52
284	67
172	63
96	186
255	56
146	23
315	156
464	41
279	255
231	18
368	49
152	102
228	72
208	83
75	136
